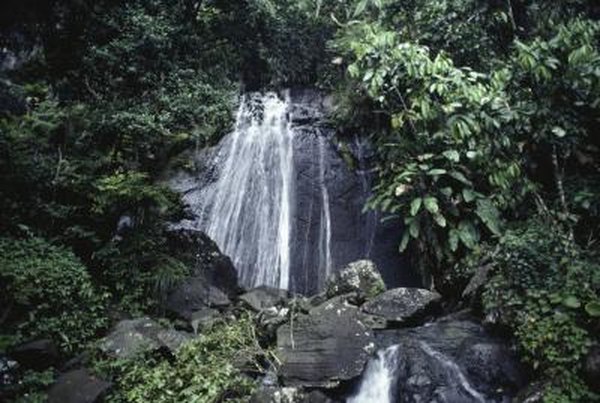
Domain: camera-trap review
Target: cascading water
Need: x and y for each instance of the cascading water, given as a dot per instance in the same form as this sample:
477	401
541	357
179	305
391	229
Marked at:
378	379
278	198
247	211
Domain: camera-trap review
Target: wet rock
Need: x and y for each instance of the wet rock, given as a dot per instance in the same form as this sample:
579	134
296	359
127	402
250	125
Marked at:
402	304
131	337
592	368
78	386
195	294
452	361
328	345
264	297
361	277
38	354
268	321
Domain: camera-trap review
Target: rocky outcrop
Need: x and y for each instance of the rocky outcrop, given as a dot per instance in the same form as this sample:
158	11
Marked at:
264	297
361	277
194	294
403	304
37	354
131	337
328	345
78	386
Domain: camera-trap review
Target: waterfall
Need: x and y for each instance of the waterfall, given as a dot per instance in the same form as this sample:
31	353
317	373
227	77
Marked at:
248	209
378	378
277	197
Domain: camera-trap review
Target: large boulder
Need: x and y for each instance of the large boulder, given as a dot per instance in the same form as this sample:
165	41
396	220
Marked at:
264	297
194	294
361	277
402	304
78	386
37	354
452	360
330	344
131	337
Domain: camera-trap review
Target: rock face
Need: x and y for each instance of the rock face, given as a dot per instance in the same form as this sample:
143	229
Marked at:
38	354
195	294
264	297
402	304
328	345
451	360
131	337
361	277
78	386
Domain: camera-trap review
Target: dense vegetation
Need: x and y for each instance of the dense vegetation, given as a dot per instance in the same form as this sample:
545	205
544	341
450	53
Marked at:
484	114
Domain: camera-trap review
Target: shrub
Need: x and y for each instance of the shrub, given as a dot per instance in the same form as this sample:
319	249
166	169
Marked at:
47	292
546	290
203	370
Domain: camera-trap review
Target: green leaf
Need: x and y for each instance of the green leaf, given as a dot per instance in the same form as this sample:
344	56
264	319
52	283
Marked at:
571	302
593	308
460	177
436	172
468	234
452	155
414	229
559	132
431	204
453	240
360	7
404	243
489	214
415	206
440	220
469	195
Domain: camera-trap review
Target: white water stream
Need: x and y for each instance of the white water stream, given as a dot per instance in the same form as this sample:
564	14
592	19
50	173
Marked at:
377	381
248	209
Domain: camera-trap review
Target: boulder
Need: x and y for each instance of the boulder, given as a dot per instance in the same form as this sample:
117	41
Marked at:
268	321
592	368
452	360
194	294
361	277
204	319
131	337
203	256
328	345
37	354
402	304
78	386
264	297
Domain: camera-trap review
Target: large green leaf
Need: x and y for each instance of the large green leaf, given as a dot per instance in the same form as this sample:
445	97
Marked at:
489	214
415	206
431	204
593	308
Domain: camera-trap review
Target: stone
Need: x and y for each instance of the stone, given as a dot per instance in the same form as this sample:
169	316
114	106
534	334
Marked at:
37	354
205	318
264	297
361	277
592	368
131	337
402	304
194	294
328	345
268	321
78	386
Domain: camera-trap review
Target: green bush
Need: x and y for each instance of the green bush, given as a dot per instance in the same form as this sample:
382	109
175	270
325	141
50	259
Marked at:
546	290
203	370
47	292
